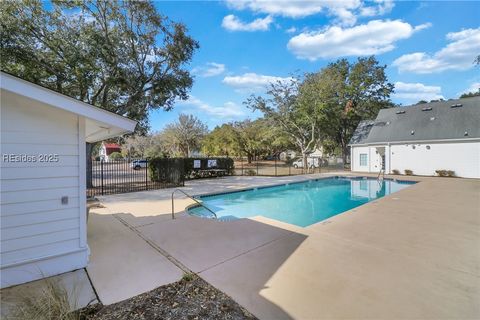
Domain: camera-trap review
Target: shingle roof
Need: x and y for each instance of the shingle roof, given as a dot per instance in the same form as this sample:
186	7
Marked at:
362	131
111	146
451	119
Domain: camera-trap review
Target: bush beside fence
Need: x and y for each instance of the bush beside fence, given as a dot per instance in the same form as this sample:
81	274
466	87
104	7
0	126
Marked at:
167	169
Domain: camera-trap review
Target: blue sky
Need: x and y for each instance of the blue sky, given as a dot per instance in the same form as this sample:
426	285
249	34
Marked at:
429	48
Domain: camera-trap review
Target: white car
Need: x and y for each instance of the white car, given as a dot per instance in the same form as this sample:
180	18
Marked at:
138	164
311	162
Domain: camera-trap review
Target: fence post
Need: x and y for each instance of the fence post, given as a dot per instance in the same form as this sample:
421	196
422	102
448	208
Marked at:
146	174
101	173
275	166
257	167
289	168
241	161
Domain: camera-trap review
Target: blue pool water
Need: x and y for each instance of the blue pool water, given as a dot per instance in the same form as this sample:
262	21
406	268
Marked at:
301	204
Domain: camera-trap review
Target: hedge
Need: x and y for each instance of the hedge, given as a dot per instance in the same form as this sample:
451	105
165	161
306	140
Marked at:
168	169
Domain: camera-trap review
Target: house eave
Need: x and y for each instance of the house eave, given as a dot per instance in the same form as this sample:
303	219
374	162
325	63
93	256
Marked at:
109	124
414	141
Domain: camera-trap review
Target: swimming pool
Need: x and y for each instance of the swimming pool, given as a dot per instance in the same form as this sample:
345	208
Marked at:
300	203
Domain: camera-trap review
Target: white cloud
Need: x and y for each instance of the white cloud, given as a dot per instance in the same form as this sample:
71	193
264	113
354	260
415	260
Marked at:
346	11
375	37
233	23
252	82
382	7
291	30
414	92
210	69
229	110
459	54
474	87
286	8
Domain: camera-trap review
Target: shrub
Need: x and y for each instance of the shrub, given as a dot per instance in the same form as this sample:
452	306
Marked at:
408	172
167	170
250	172
441	173
188	277
395	171
115	156
445	173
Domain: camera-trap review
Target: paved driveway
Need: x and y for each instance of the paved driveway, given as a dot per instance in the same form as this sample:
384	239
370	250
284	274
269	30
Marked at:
412	254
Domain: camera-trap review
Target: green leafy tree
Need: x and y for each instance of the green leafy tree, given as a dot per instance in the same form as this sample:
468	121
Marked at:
291	106
247	139
471	94
348	93
220	141
122	56
115	156
185	135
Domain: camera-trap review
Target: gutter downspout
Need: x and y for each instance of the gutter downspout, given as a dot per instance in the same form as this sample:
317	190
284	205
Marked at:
389	158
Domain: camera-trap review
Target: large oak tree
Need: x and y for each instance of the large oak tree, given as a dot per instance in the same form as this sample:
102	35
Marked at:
122	56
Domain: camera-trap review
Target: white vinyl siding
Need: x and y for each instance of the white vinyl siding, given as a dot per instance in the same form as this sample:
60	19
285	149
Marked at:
462	157
34	222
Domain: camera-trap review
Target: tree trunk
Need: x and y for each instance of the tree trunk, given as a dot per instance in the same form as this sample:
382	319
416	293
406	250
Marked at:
345	153
304	159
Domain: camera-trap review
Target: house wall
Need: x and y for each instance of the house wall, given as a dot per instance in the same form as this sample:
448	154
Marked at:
461	157
40	236
373	159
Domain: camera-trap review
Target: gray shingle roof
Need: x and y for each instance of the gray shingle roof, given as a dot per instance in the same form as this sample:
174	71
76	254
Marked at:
429	121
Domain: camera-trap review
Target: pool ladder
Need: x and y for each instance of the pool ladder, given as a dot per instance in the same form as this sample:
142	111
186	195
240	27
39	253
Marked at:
381	173
189	196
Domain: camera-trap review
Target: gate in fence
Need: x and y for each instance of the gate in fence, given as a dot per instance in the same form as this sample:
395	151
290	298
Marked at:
121	176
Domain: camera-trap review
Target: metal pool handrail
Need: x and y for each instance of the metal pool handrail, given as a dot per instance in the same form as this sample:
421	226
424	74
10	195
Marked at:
189	196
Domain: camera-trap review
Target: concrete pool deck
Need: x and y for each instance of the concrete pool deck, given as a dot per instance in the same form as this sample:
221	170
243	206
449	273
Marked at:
412	254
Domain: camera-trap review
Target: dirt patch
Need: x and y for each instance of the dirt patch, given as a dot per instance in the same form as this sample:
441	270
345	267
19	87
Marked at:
190	298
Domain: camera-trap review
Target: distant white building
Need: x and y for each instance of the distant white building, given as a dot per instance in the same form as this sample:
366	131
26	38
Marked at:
422	138
43	178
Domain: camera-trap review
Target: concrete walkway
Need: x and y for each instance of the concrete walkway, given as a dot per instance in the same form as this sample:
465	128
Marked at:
412	254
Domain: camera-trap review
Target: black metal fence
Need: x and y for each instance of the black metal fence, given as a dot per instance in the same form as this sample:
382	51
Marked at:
121	176
277	167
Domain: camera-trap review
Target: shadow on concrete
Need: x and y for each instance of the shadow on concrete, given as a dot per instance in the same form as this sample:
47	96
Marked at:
206	244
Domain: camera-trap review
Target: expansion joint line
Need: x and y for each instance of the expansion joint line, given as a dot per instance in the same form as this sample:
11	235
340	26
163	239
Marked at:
164	253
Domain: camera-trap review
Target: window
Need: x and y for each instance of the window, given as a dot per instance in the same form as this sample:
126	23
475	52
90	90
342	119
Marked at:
363	159
364	185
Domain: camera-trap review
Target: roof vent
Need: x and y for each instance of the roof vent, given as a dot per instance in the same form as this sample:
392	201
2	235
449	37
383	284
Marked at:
465	133
458	105
400	112
427	109
412	132
432	118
